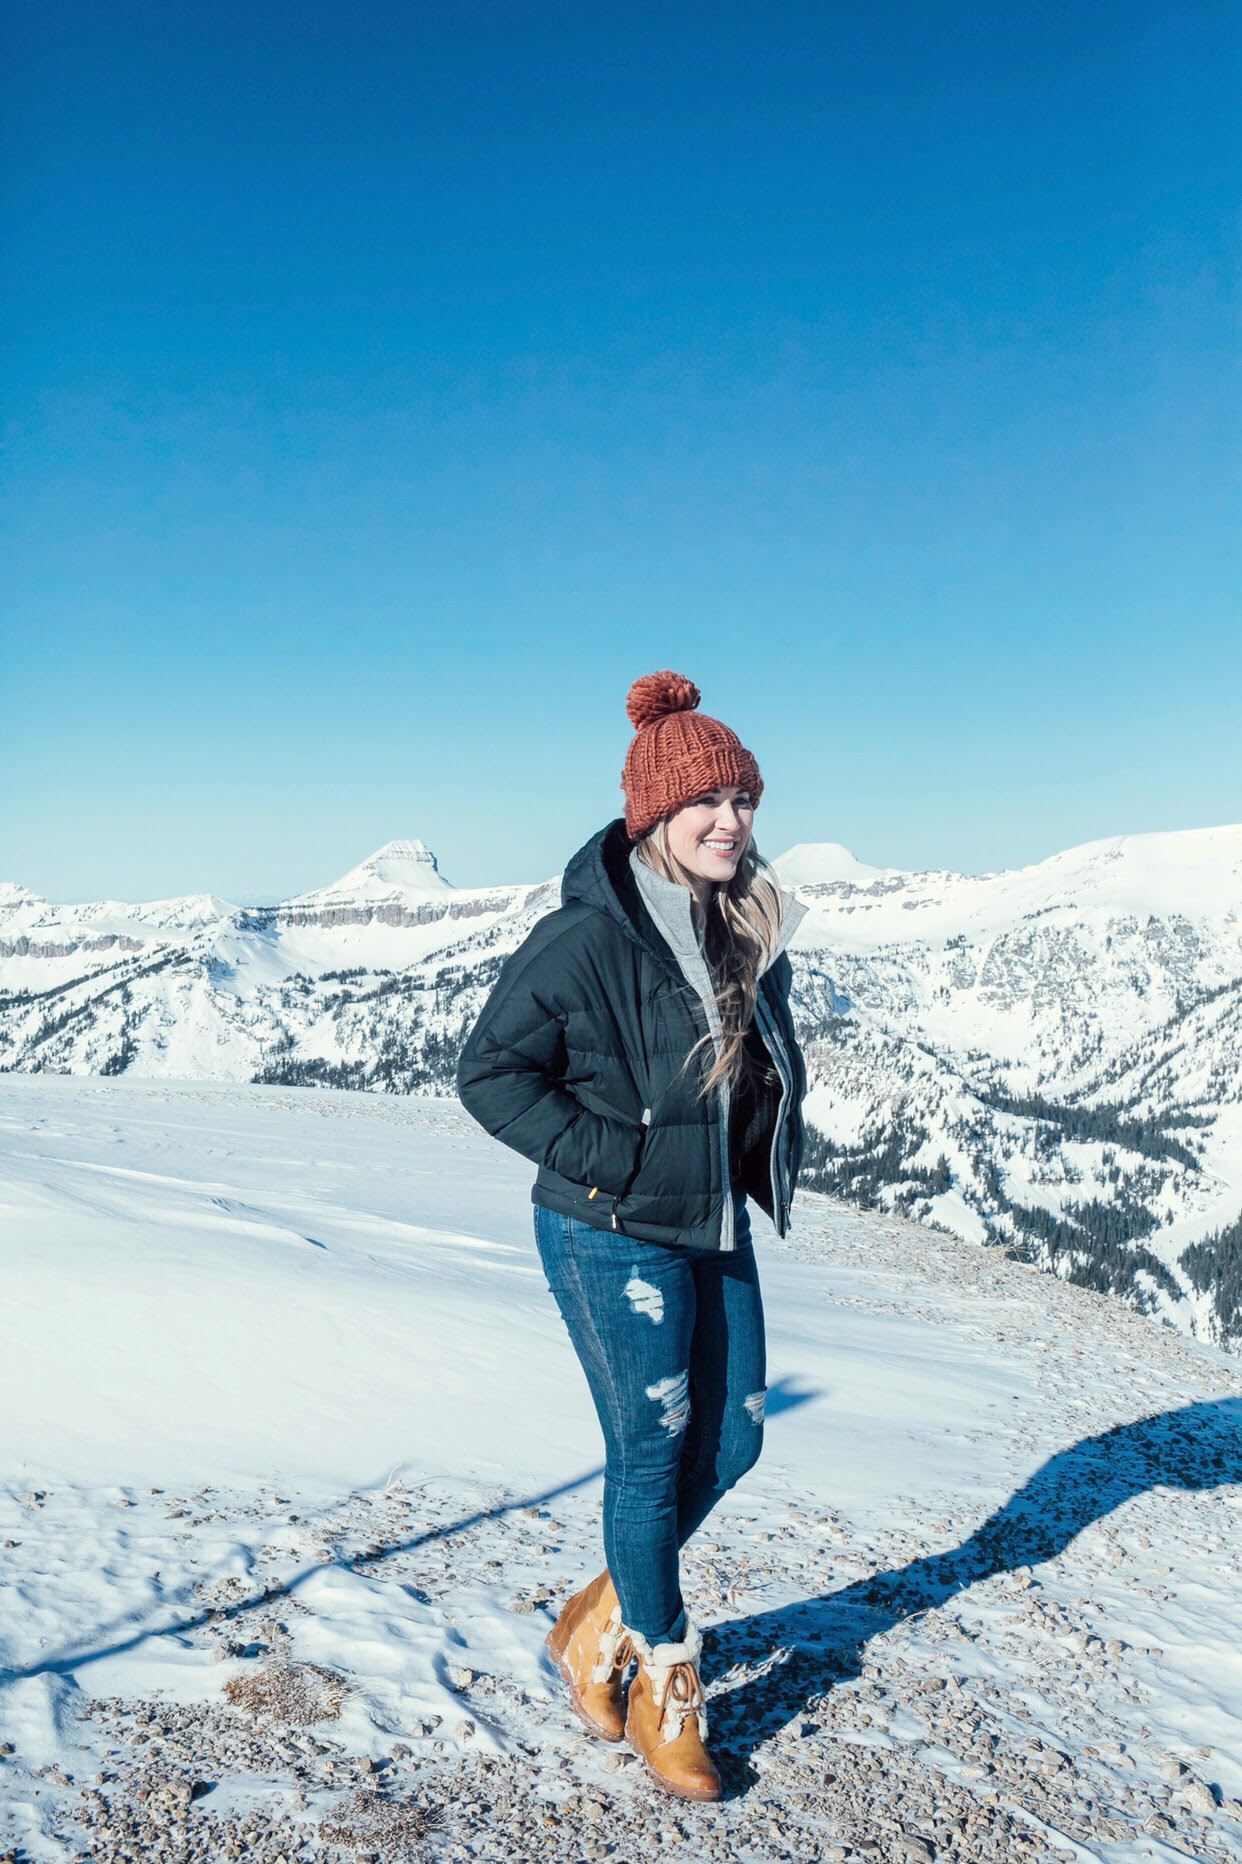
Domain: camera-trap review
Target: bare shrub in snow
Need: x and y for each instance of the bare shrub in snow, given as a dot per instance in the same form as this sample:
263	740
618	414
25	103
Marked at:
280	1691
366	1818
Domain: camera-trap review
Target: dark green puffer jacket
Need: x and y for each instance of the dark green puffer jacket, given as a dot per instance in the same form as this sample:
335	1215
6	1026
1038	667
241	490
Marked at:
574	1060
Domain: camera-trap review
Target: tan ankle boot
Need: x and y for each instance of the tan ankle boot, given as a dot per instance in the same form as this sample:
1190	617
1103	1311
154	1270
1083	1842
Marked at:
666	1724
588	1649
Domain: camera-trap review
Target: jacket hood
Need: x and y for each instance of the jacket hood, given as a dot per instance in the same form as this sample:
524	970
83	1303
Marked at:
601	875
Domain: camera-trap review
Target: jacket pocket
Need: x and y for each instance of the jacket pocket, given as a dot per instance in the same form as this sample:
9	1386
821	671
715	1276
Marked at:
668	1167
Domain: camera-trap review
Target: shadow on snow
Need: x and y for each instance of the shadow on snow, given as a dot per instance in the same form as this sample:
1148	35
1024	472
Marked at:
820	1641
367	1558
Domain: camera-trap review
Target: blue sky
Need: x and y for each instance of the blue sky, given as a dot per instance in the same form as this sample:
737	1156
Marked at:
390	385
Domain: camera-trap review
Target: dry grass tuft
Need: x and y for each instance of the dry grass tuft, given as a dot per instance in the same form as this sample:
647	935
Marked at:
365	1819
280	1691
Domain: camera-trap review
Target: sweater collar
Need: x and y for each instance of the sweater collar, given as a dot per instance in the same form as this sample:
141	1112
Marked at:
671	906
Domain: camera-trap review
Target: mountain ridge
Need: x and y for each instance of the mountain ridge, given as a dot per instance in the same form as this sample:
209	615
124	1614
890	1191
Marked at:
1047	1059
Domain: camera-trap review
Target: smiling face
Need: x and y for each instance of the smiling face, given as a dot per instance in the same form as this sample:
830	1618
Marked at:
709	835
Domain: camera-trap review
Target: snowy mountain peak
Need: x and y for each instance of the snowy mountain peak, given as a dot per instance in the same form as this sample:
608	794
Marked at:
399	864
13	896
823	863
188	909
391	874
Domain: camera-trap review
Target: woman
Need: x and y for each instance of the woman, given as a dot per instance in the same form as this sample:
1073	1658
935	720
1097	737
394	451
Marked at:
638	1047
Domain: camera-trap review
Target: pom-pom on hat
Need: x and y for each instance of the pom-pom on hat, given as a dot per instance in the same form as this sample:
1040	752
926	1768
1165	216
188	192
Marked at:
678	753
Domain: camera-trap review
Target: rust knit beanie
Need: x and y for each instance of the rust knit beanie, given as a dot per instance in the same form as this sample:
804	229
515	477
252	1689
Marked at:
677	752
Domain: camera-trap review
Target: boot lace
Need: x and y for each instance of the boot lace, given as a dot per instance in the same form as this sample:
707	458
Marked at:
682	1692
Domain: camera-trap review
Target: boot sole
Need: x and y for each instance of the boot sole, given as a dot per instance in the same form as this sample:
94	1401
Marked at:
674	1792
601	1734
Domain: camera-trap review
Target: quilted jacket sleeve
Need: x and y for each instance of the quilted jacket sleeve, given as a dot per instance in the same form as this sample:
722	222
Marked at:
507	1076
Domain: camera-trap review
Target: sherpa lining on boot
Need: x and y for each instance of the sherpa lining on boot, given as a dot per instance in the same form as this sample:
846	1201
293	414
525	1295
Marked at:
673	1670
609	1640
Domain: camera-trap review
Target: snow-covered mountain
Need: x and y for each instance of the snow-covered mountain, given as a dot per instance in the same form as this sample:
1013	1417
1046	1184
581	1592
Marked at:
333	981
399	884
1047	1058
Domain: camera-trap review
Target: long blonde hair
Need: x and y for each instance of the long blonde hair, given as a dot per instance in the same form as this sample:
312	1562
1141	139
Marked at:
740	932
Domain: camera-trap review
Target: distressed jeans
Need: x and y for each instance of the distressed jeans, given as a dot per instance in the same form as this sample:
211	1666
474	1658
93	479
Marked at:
672	1345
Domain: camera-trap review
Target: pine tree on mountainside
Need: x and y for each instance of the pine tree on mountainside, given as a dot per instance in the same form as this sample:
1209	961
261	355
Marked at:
1215	1263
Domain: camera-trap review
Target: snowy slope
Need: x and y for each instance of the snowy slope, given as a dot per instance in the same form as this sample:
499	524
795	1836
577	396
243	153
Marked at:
283	1387
1048	1058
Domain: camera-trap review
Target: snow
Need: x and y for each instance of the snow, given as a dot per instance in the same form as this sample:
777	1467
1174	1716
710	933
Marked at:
252	1333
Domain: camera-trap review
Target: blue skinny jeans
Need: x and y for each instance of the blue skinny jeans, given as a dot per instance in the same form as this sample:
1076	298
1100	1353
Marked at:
672	1345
